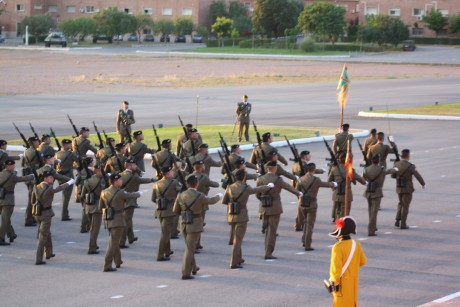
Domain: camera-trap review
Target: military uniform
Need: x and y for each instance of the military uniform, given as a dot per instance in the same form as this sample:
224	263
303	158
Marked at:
195	201
187	147
271	214
341	141
168	189
31	161
181	139
243	110
103	155
112	166
80	146
8	182
4	156
65	168
208	162
382	150
137	150
371	140
124	121
115	198
239	192
267	148
46	149
233	157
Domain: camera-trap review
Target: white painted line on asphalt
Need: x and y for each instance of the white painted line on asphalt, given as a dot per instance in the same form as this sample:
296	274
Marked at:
117	296
71	242
437	221
300	253
457	215
269	260
362	239
388	233
136	230
442	176
205	276
447	298
22	208
413	226
162	286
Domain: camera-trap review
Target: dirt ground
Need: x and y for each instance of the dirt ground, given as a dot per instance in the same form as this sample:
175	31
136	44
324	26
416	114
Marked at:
35	72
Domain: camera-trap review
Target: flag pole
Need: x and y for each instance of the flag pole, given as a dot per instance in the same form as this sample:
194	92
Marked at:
341	117
347	181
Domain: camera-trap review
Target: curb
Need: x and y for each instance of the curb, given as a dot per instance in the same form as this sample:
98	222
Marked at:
407	116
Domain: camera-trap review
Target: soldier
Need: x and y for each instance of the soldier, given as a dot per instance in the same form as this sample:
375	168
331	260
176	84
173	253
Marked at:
182	138
243	110
112	203
65	160
80	146
309	185
105	153
235	152
203	155
236	198
90	196
130	183
338	174
267	148
137	150
380	149
4	155
43	195
405	187
8	180
374	174
272	208
164	157
341	139
164	194
45	148
33	160
274	156
116	163
125	118
190	205
371	140
190	147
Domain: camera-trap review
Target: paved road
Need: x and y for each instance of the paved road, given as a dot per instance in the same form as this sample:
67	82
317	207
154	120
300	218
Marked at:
405	268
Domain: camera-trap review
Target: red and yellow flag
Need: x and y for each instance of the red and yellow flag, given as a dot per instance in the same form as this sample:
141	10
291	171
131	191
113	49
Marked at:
342	87
349	163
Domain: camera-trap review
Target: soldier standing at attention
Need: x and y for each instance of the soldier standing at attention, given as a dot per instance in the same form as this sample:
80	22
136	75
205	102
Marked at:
271	205
371	140
374	174
309	185
125	118
190	205
8	180
405	187
4	155
236	198
164	194
66	159
43	195
137	150
243	110
341	139
112	202
90	196
45	148
130	182
33	160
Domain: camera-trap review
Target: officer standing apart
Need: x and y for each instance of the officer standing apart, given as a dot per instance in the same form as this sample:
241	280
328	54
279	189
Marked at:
125	118
405	187
243	110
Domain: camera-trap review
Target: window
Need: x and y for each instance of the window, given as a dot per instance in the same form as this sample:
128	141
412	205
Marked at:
71	9
89	9
52	8
371	11
445	13
417	31
129	10
166	11
417	12
20	7
148	11
38	7
186	12
394	12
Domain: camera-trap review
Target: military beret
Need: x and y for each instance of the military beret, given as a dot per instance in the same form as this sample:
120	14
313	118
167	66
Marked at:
88	160
166	169
245	96
166	142
189	125
110	140
199	162
191	177
272	153
203	146
119	146
45	136
47	157
304	153
47	174
115	176
3	142
266	135
271	164
136	133
9	162
130	160
345	126
84	129
193	130
33	139
235	146
240	161
376	157
405	153
373	131
66	141
311	166
125	102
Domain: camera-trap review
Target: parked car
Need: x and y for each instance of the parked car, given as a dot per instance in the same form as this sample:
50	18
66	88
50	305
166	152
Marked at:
102	37
149	38
56	38
197	39
132	38
165	39
2	38
409	45
118	38
180	39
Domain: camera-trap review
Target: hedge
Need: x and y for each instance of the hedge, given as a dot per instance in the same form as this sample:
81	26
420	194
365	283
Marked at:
41	39
436	40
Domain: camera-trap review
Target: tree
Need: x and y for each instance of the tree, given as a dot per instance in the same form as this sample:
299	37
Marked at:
143	21
236	9
85	26
218	8
184	25
202	31
69	28
272	17
324	19
38	24
435	21
112	22
223	26
235	35
454	24
383	29
243	24
398	32
164	26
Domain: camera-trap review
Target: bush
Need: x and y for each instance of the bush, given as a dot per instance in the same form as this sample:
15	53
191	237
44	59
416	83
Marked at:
258	43
308	45
33	41
352	47
436	40
228	42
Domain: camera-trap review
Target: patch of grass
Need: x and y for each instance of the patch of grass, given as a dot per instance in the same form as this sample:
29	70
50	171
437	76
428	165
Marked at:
210	134
440	109
238	50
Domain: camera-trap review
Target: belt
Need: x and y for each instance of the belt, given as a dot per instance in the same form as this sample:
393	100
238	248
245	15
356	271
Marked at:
117	211
196	215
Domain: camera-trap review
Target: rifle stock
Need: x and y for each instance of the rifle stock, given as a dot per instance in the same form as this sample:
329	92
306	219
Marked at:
157	137
366	160
101	143
73	126
261	160
333	158
26	143
395	149
58	144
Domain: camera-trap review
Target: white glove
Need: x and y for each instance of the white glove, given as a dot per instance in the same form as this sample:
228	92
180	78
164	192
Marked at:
335	184
71	181
271	185
58	160
300	194
324	170
220	195
396	169
142	174
108	174
297	177
141	193
20	156
391	138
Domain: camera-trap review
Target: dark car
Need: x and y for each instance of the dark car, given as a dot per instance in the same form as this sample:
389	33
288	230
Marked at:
149	38
102	37
165	39
409	45
56	38
132	38
180	39
197	39
2	38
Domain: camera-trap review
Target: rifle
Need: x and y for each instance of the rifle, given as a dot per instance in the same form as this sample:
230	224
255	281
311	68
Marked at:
333	159
55	139
395	149
226	152
260	160
183	128
104	175
157	138
366	160
105	134
26	144
296	157
223	144
189	165
101	143
33	131
179	172
73	126
227	169
130	139
114	154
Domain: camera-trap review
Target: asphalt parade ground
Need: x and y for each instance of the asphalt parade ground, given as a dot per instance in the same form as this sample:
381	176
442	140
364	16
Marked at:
405	267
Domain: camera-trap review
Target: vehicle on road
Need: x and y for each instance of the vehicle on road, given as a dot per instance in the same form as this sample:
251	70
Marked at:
56	38
180	39
408	45
197	39
118	38
132	38
102	37
149	38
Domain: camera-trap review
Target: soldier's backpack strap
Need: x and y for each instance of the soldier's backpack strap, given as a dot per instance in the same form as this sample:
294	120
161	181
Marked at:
244	190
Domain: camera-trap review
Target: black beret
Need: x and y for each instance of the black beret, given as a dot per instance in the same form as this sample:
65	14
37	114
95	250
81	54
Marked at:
45	136
84	129
272	153
166	141
110	140
166	169
88	160
47	157
115	176
271	163
304	153
311	166
3	142
345	126
66	141
199	162
203	146
125	102
9	162
47	174
191	177
193	130
131	160
33	139
119	146
240	161
266	135
136	133
235	146
189	125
